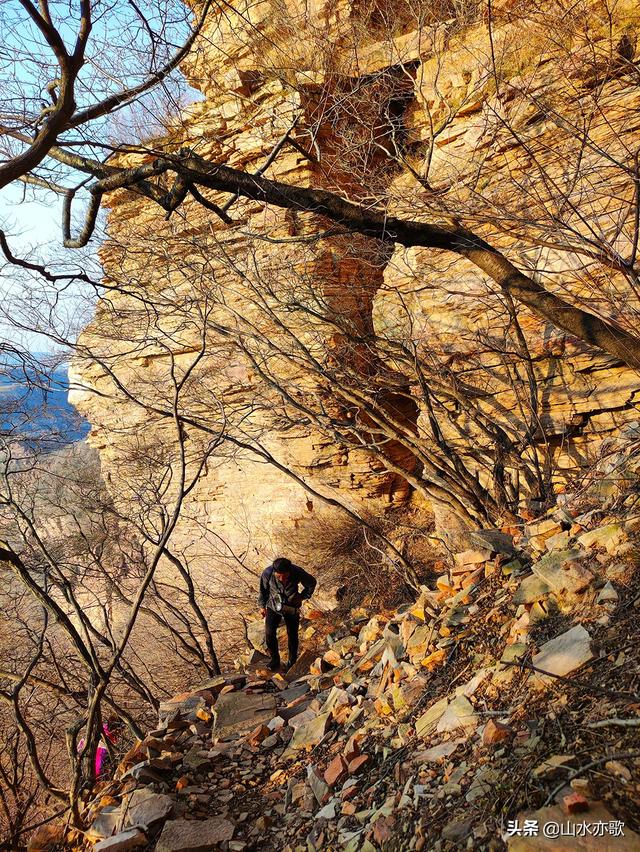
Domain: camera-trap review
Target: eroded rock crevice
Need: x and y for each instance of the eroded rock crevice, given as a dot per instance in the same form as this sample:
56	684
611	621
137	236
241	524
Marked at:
389	377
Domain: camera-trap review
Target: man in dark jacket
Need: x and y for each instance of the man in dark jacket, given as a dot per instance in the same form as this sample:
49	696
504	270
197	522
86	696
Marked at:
279	598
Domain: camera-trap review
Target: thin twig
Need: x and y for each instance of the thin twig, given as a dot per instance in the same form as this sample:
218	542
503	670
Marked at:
631	696
615	722
575	772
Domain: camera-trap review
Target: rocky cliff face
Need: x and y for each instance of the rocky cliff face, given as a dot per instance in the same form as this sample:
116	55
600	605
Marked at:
459	116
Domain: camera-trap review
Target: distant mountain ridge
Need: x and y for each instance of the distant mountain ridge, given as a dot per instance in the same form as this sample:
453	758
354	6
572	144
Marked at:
34	402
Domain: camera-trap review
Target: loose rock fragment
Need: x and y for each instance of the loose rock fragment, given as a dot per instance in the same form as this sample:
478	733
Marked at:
565	653
133	838
182	835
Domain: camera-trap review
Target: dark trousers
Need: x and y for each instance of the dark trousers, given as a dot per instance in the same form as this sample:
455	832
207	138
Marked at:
271	623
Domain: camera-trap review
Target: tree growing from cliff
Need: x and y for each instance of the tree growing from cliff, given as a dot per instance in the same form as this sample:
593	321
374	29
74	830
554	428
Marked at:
436	228
45	136
65	148
370	140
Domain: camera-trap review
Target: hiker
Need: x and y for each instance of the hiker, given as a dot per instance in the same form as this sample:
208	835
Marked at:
110	731
279	598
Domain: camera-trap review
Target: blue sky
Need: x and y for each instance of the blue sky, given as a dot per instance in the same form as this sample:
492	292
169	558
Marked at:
36	221
34	232
118	55
32	227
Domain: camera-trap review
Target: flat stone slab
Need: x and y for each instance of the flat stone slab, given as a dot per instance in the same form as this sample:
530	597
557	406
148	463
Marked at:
239	712
562	571
427	722
180	704
257	658
301	666
319	788
437	753
189	835
608	594
375	652
417	643
107	822
309	733
343	646
558	541
564	654
337	698
255	635
472	557
609	537
530	590
596	839
289	714
471	686
459	714
328	812
133	838
493	539
144	807
302	715
292	692
216	683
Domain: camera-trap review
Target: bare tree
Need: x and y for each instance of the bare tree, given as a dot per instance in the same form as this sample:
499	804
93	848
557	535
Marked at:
215	347
440	226
85	69
366	145
79	577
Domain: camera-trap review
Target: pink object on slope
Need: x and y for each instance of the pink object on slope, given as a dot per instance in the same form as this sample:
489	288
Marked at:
102	752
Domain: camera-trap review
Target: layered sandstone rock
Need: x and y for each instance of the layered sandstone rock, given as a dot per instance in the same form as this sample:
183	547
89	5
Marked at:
454	120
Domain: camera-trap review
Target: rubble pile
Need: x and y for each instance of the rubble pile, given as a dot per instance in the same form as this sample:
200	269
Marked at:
508	693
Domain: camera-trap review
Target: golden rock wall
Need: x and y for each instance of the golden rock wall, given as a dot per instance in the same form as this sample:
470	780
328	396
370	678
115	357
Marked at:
499	121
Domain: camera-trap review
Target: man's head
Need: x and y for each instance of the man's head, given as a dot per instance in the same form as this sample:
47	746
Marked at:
282	569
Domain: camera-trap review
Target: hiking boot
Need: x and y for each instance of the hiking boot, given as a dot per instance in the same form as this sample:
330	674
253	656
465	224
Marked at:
273	665
289	665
